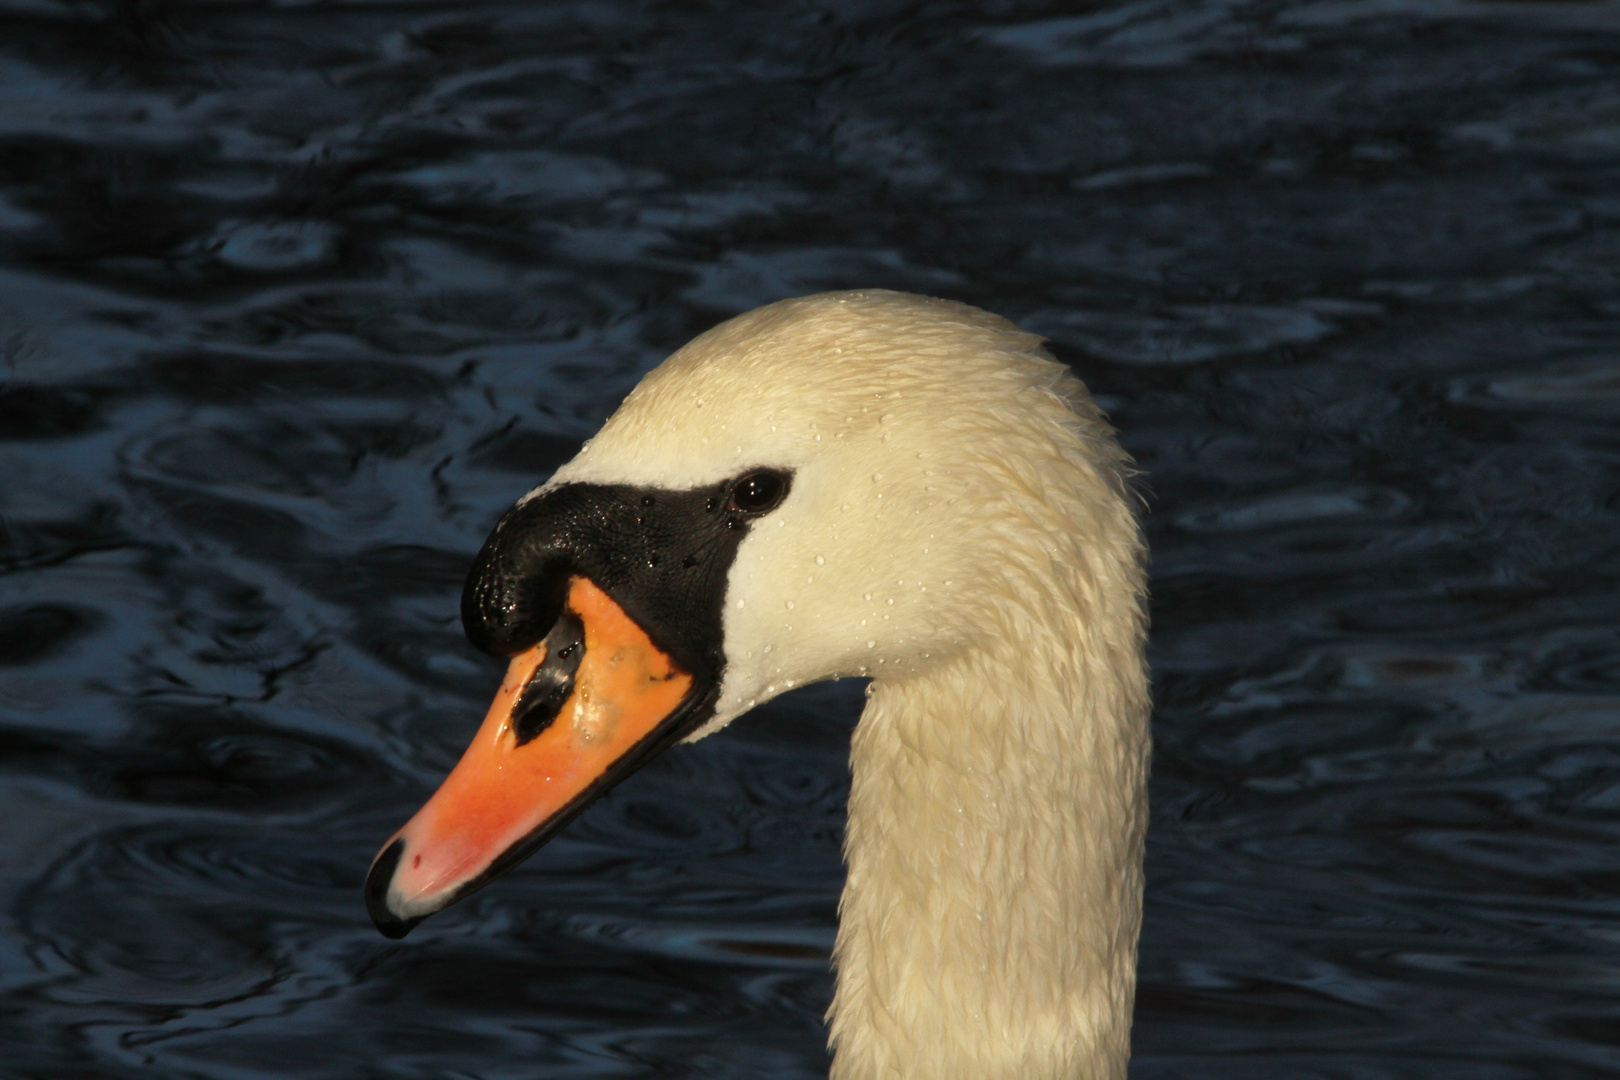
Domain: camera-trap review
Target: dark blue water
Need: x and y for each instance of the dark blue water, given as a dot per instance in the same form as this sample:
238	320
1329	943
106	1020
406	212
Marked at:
295	298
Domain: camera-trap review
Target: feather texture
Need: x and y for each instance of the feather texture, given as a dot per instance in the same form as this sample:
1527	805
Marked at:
961	530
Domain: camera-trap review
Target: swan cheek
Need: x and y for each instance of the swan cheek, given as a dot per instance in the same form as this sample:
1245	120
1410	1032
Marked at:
573	715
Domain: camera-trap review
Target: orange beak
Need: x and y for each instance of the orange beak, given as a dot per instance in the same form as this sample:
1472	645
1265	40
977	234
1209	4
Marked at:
558	734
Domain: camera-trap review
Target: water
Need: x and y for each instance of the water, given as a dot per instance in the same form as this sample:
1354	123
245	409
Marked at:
295	299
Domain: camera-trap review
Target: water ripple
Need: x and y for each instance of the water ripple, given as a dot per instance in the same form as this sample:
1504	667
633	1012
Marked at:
295	300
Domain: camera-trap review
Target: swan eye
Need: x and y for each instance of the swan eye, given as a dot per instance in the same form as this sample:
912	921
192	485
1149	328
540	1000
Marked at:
758	492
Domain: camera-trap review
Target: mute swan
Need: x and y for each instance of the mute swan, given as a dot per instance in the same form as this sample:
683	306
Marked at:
850	484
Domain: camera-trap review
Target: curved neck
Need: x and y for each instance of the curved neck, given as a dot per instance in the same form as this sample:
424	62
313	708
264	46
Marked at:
989	922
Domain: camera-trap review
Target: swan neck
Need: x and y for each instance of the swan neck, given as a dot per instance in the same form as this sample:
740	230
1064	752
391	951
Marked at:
990	917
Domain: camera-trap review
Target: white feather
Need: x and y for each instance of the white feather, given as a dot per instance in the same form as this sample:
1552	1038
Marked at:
960	530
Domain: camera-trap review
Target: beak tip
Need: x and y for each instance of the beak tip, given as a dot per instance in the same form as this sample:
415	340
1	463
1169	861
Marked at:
394	928
378	880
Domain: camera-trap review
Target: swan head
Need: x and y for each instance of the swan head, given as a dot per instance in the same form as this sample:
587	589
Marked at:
848	484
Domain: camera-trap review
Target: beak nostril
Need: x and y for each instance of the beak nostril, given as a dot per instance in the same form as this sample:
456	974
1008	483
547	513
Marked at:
553	681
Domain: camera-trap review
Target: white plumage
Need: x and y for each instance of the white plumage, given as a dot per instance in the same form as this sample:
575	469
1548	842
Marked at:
960	530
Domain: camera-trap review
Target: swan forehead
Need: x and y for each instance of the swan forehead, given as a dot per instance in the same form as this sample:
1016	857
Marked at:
693	443
794	382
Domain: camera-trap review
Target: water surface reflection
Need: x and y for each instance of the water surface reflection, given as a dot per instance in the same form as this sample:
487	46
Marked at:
293	301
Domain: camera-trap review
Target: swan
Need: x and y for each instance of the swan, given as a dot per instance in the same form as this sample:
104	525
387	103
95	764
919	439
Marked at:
871	484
